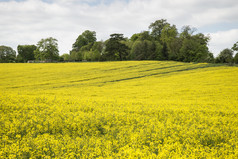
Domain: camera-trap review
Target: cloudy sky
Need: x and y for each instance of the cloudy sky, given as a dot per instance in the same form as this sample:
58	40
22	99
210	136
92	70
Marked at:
28	21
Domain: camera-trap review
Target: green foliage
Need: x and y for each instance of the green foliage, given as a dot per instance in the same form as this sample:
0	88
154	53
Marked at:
47	49
137	51
86	38
170	42
180	47
66	57
174	47
145	35
143	50
236	58
210	58
194	48
134	37
96	51
76	55
235	46
19	59
157	27
168	33
187	32
80	42
164	52
85	48
26	52
115	49
89	36
161	42
144	47
7	54
225	56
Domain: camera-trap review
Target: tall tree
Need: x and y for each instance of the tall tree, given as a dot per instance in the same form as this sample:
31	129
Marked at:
171	44
97	50
145	35
143	50
86	38
157	27
225	56
142	47
115	49
7	54
76	56
236	58
235	49
193	51
94	53
194	48
235	46
187	32
26	52
47	49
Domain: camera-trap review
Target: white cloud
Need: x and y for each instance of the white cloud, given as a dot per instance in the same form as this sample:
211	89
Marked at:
222	40
26	22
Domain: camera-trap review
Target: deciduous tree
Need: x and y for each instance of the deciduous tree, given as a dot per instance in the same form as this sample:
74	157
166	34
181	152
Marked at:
84	39
235	46
115	49
26	52
157	27
225	56
7	54
47	49
236	58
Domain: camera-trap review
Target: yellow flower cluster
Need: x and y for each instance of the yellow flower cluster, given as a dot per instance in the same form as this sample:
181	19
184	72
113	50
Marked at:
146	109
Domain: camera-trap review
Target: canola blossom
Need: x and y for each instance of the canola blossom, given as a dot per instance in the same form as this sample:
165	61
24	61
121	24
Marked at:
132	109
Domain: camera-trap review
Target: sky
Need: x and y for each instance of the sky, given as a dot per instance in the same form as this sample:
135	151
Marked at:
25	22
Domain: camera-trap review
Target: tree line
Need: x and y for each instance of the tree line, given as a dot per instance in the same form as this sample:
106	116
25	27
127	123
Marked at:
163	41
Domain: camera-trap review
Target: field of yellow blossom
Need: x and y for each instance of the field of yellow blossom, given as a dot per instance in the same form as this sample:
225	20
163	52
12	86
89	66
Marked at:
132	109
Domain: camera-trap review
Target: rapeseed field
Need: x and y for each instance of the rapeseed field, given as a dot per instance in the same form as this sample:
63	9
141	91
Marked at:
134	109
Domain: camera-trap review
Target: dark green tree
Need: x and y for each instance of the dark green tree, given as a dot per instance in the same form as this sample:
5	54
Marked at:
137	52
236	58
115	49
225	56
86	38
194	48
97	50
164	52
187	32
210	58
26	52
168	33
76	56
171	45
7	54
83	45
47	49
235	48
19	59
157	27
143	50
135	37
143	47
94	53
